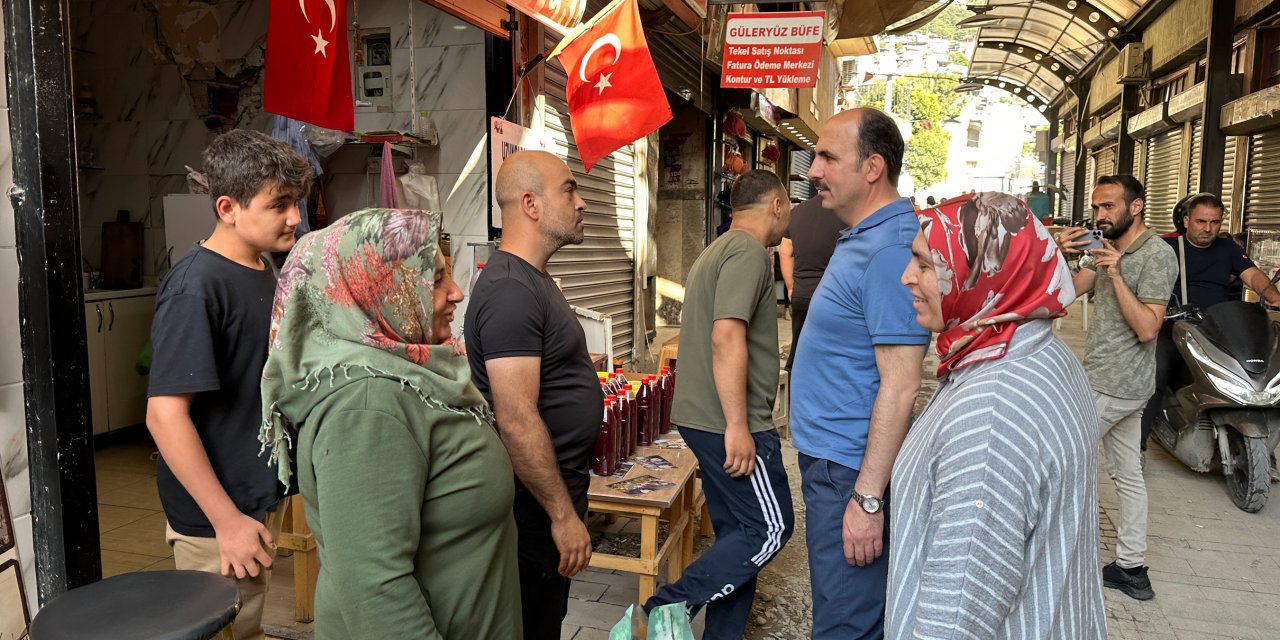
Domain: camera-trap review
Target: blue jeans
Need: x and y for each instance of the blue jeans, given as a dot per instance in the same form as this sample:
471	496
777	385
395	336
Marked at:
848	601
752	517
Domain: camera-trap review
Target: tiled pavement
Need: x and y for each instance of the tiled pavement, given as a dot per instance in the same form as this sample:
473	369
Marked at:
1215	569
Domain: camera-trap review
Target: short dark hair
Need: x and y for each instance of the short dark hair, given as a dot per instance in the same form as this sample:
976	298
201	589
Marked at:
1133	189
754	187
241	163
1202	200
879	134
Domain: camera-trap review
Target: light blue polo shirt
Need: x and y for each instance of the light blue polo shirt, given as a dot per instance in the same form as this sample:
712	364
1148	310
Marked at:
860	303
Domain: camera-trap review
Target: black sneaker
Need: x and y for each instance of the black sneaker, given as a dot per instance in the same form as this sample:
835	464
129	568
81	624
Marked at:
1134	585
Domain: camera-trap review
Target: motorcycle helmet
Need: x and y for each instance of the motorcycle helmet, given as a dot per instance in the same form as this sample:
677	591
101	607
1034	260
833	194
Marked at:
1180	212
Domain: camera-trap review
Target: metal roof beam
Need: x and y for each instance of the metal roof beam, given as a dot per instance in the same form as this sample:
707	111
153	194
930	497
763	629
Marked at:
1064	72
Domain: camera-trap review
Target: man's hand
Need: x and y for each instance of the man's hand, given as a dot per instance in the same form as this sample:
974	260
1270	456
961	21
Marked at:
240	543
863	534
573	541
1107	259
739	452
1070	240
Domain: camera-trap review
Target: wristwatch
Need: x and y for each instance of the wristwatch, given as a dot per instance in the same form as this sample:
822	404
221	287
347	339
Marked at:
869	503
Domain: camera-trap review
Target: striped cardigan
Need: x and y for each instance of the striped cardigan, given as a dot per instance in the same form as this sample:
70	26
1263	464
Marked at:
994	520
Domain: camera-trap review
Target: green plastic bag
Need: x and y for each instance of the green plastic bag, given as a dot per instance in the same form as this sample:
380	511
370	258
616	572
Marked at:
668	622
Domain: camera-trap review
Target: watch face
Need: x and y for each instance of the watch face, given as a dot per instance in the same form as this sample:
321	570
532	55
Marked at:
871	504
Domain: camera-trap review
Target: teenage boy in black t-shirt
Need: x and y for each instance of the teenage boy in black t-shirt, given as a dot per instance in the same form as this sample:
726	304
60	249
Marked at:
529	358
213	314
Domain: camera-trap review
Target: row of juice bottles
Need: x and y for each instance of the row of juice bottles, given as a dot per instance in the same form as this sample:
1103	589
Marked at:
635	414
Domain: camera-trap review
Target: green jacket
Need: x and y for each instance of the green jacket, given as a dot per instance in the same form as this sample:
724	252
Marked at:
411	508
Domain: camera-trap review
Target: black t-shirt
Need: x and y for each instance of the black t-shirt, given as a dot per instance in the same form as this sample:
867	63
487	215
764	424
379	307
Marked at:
1210	269
209	334
813	233
517	310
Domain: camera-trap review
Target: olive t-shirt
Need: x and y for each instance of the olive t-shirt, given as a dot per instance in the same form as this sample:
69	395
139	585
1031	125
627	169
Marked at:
1117	363
731	279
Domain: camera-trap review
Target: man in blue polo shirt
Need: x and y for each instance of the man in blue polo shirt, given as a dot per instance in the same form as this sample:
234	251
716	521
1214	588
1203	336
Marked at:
856	373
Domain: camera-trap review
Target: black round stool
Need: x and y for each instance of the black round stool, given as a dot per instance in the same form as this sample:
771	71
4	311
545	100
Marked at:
149	605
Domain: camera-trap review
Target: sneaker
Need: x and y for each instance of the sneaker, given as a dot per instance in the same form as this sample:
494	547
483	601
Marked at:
1134	585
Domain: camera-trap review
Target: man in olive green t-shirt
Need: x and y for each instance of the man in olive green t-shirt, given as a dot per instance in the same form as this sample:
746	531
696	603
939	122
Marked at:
1130	278
723	406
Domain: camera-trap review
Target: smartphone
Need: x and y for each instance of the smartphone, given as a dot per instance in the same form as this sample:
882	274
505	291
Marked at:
1095	240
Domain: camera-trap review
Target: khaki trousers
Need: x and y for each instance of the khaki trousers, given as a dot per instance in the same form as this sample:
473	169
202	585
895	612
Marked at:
201	554
1121	428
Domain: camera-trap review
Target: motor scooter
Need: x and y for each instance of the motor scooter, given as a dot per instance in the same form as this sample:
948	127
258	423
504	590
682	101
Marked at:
1222	411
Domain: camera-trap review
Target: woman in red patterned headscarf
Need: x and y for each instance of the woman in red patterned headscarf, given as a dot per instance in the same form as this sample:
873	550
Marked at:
995	485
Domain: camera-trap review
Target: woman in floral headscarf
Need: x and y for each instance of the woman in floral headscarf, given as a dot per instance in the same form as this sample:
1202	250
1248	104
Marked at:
995	533
406	484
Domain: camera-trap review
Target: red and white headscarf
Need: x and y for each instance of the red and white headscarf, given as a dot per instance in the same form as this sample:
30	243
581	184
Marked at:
997	266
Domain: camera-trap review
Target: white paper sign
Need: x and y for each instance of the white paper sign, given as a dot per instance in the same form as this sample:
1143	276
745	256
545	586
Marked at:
506	138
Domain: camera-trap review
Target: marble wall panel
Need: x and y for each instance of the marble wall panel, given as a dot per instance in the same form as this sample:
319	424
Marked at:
119	148
463	136
449	78
174	145
466	205
7	236
10	334
242	28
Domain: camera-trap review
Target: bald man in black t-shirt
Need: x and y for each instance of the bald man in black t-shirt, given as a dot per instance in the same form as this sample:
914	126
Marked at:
805	250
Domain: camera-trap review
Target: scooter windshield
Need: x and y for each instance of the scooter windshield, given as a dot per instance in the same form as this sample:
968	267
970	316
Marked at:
1243	330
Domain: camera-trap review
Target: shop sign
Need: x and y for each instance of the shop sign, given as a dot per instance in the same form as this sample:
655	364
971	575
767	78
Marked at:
772	49
506	138
560	15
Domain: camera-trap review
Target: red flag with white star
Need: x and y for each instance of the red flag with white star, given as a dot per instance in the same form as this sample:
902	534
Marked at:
308	75
615	96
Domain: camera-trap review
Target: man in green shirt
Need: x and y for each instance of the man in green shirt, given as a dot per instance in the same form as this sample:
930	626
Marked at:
724	408
1130	278
1039	202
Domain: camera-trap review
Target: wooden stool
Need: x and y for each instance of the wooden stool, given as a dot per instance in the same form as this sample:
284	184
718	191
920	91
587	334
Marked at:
149	605
295	535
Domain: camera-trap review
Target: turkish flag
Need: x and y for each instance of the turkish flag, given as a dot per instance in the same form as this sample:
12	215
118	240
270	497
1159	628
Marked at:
308	74
615	96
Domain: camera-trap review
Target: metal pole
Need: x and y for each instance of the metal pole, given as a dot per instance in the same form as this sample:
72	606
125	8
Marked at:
1218	90
50	299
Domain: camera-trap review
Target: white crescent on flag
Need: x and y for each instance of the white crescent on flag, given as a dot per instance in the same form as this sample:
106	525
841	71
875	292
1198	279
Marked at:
608	39
321	44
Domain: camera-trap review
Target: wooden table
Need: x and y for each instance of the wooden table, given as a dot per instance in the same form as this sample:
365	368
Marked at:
677	505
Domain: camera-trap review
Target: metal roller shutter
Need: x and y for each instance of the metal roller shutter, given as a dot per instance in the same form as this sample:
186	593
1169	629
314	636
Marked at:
598	274
1106	163
1229	176
801	187
1139	157
1197	143
1068	185
1090	177
1164	155
1262	188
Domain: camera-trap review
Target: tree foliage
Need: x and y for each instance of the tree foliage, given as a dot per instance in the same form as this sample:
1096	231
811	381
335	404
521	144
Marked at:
926	103
944	26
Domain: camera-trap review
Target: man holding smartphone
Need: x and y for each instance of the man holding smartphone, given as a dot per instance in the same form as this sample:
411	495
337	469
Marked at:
1130	277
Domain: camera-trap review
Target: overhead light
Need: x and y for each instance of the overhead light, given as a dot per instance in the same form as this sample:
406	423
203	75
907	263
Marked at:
1055	66
1042	108
1039	57
1113	32
1072	4
1095	16
968	87
979	21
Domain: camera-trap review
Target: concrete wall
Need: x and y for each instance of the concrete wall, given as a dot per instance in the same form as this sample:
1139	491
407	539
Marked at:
682	202
1105	85
1181	26
13	422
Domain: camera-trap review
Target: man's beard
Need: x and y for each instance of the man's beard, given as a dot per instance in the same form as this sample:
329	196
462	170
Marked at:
1119	227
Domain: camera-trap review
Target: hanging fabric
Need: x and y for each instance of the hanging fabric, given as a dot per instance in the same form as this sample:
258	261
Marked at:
387	181
290	132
